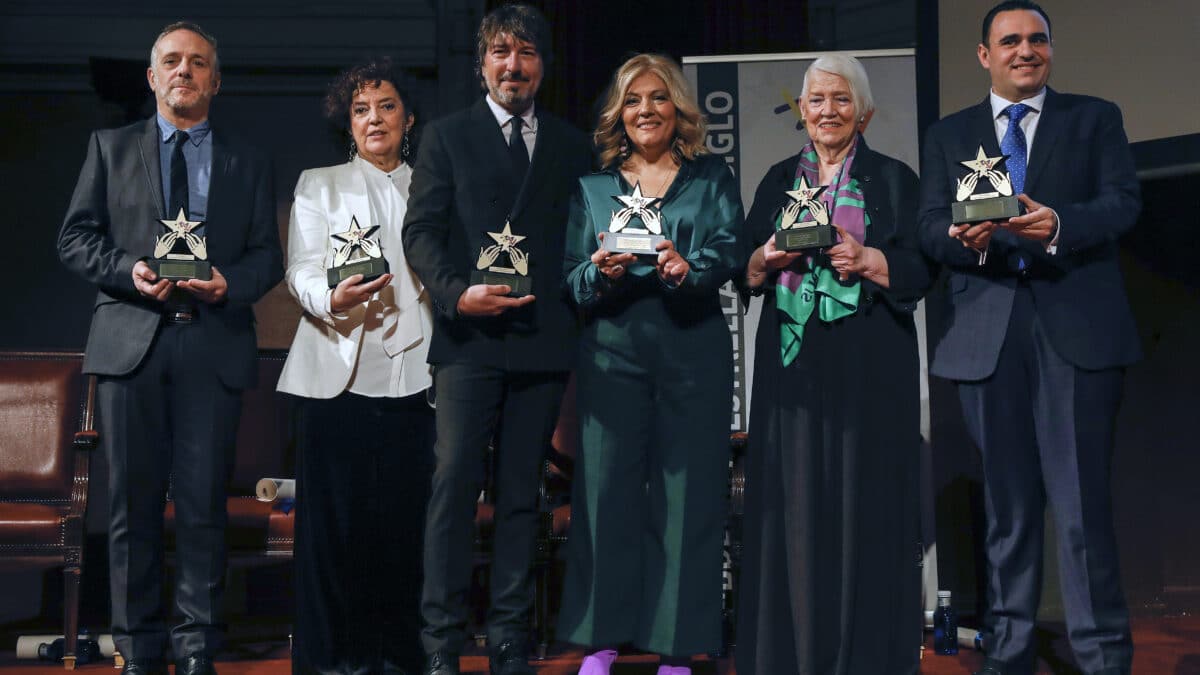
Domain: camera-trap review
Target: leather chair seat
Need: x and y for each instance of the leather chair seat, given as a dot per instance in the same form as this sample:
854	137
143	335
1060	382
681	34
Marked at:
30	525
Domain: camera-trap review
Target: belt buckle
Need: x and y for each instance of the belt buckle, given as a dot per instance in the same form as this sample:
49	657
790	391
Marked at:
178	317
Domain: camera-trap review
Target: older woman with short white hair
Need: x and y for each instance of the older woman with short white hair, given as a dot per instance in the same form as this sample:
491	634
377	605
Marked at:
830	582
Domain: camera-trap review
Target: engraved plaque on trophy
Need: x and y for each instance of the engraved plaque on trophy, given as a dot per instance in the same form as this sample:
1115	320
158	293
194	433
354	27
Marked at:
515	274
971	206
179	253
637	240
804	221
357	254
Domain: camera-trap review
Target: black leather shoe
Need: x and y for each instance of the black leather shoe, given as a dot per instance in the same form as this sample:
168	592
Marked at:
991	667
510	658
196	664
144	667
441	663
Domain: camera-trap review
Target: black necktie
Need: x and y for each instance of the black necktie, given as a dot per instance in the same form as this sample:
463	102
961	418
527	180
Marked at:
179	178
517	151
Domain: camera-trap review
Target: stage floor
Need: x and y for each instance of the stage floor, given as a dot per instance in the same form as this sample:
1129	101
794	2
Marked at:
1163	646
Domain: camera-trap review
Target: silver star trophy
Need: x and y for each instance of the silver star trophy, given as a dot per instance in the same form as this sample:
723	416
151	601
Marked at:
180	253
638	240
356	254
973	206
814	231
515	274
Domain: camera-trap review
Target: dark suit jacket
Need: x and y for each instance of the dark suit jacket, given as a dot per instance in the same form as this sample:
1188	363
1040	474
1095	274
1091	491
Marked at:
463	188
1080	165
113	221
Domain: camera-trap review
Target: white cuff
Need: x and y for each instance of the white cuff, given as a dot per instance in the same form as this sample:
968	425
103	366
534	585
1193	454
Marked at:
1052	245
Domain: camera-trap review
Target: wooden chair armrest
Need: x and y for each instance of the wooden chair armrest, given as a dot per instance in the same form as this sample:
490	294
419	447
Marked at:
86	440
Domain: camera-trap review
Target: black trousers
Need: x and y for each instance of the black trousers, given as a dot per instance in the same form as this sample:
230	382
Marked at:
362	482
1045	429
475	403
170	417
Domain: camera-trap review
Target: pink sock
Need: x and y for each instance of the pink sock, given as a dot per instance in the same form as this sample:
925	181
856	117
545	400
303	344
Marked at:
598	663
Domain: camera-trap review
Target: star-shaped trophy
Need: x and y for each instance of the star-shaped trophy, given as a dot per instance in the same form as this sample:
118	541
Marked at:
804	220
516	275
643	240
179	253
358	253
971	206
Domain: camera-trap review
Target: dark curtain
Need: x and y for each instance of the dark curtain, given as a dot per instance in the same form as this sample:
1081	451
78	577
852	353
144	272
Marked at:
592	38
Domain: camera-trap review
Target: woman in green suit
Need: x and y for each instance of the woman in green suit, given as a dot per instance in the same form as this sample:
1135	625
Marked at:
655	375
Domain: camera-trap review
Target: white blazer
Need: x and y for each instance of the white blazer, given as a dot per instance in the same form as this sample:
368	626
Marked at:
326	346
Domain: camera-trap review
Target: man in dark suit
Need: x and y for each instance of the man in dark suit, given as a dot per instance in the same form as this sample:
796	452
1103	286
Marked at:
490	190
1037	335
171	357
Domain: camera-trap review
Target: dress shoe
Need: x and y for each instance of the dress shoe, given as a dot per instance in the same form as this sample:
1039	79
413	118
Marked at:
510	658
992	667
441	663
144	667
196	664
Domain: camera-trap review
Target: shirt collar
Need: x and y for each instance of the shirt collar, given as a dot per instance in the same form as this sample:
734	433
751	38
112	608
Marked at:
370	169
196	134
529	117
1037	102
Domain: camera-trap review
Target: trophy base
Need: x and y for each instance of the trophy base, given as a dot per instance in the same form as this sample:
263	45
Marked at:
180	270
979	210
371	269
520	285
637	244
804	237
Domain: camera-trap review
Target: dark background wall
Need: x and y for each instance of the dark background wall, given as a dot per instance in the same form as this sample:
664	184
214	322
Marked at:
68	67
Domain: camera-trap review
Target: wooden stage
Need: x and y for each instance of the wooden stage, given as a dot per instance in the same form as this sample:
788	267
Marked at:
1163	646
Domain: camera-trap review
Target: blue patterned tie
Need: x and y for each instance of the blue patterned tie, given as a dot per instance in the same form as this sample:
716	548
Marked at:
1013	145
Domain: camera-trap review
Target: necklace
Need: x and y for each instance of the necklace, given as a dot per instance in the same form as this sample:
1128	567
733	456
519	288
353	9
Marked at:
637	179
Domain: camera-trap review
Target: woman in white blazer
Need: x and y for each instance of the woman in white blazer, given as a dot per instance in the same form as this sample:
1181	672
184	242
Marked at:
364	427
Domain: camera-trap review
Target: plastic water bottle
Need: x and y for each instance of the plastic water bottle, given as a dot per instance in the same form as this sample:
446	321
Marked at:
945	626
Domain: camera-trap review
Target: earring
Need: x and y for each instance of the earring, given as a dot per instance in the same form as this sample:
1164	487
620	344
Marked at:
353	150
405	148
625	149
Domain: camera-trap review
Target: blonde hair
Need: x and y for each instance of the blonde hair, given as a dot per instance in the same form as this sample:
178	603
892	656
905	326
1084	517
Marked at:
689	121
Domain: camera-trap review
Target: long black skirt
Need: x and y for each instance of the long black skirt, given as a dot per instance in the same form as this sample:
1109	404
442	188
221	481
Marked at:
830	582
363	471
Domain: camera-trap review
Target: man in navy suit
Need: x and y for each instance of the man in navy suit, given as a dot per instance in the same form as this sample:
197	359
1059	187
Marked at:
1037	334
171	357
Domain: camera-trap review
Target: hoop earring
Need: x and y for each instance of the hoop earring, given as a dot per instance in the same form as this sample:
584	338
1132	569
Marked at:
405	148
353	150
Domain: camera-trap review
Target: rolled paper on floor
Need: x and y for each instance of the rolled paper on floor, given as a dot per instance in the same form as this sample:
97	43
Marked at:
970	638
271	489
27	645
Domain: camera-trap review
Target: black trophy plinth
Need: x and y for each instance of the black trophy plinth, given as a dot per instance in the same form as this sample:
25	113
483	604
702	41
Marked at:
979	210
180	270
370	268
804	237
521	285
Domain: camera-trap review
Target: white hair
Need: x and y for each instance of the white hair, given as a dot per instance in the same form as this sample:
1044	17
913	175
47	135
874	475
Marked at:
851	70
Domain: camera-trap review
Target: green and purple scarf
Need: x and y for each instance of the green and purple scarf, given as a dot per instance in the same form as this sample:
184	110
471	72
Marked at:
797	293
